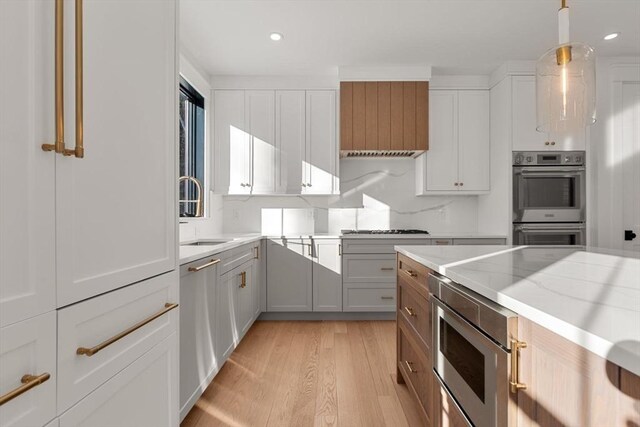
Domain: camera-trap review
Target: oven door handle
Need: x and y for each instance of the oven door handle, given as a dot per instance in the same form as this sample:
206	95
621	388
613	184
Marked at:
544	171
551	229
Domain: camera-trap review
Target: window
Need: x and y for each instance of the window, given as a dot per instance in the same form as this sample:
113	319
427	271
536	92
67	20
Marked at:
192	151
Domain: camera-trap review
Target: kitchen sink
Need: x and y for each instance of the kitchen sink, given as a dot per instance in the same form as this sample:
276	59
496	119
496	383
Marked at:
206	243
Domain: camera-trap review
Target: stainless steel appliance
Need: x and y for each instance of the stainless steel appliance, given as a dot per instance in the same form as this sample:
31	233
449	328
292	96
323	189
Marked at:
549	186
549	234
473	340
392	231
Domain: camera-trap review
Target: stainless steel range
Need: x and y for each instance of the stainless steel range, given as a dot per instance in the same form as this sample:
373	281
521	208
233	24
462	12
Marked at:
549	198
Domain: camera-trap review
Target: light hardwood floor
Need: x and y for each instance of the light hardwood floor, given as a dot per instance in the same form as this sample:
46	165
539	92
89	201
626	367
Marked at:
309	374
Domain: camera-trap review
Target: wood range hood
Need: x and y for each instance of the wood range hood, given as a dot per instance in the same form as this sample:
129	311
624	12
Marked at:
384	118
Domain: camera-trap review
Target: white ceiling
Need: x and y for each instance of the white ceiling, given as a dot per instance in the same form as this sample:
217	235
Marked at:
231	37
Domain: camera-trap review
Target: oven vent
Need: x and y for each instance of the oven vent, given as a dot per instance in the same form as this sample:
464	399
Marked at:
376	153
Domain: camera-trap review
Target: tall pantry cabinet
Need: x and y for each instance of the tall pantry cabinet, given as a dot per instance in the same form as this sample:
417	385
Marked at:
88	240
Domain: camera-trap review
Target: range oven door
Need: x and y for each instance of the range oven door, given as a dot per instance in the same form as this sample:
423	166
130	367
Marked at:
549	234
472	367
549	194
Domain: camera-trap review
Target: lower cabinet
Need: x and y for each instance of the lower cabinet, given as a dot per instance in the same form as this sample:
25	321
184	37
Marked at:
326	272
29	348
145	393
289	275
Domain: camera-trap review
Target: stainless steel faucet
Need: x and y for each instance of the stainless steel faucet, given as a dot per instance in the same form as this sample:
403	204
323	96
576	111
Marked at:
198	200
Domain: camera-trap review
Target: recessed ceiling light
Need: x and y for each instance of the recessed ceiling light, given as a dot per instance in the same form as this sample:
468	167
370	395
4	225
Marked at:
276	37
611	36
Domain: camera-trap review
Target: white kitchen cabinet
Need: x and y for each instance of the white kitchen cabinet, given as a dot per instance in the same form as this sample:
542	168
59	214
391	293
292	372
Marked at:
226	335
458	160
321	150
289	275
145	393
231	150
524	134
198	363
27	174
259	124
327	275
29	348
116	207
245	292
291	138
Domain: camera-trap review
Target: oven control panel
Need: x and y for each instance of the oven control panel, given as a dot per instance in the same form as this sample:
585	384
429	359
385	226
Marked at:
548	158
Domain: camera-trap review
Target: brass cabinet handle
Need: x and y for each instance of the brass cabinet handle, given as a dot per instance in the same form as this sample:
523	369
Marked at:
410	273
209	264
386	268
546	143
340	249
383	297
93	350
257	254
58	146
456	184
243	279
410	311
28	382
515	366
410	366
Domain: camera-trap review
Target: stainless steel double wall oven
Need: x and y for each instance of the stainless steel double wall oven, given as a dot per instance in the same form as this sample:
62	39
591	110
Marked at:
549	198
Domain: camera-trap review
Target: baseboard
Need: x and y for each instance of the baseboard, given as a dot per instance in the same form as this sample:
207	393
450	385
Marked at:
327	316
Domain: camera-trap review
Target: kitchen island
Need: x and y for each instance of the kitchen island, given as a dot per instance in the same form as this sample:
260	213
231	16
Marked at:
578	311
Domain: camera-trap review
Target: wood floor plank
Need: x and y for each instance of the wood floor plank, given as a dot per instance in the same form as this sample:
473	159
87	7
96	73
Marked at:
303	374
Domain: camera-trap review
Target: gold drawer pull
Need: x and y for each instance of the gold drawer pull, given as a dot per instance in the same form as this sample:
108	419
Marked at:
383	297
209	264
409	311
410	273
515	366
410	366
28	382
93	350
386	268
243	278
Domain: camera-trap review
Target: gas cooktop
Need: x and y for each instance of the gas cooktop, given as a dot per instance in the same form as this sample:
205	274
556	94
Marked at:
394	231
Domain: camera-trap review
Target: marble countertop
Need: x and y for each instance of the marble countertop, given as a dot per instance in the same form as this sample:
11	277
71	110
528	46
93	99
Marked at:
590	296
189	253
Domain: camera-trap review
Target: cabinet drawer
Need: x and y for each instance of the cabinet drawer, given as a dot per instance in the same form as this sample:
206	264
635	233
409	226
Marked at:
28	348
416	368
95	321
374	268
413	272
366	245
497	241
369	298
145	393
416	310
238	256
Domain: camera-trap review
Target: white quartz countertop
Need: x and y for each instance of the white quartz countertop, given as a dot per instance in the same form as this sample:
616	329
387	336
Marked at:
590	296
189	253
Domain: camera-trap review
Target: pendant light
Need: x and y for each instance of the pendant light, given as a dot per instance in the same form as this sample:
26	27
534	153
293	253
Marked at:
565	83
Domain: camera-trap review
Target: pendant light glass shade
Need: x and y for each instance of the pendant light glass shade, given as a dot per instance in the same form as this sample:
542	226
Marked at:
565	86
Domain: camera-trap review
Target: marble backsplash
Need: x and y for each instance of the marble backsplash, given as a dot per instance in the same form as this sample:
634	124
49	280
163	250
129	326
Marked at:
375	193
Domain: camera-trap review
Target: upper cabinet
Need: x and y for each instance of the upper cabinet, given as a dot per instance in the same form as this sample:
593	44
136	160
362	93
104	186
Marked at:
384	116
458	160
275	142
524	134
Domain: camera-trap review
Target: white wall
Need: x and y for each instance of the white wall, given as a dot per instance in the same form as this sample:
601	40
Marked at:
375	193
191	228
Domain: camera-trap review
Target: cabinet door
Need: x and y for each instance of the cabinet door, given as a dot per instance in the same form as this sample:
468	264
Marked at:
116	208
226	336
231	149
28	347
321	150
474	156
198	363
27	205
327	276
290	137
442	157
143	394
525	137
259	124
289	276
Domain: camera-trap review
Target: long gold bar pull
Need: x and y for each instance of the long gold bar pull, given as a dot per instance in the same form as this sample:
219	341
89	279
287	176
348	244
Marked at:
515	366
28	382
93	350
58	145
79	150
